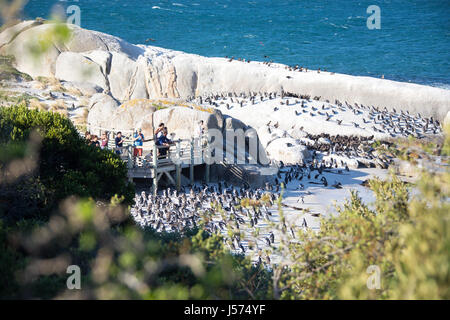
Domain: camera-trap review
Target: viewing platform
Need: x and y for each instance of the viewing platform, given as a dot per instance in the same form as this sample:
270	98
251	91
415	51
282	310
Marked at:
182	153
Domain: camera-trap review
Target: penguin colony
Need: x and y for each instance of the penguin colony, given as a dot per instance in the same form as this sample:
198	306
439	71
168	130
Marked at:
220	207
370	122
217	208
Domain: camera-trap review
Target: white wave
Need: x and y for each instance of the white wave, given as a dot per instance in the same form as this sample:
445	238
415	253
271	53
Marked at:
357	17
165	9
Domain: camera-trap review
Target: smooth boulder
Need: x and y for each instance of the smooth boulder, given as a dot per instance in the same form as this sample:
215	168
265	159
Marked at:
72	66
288	151
183	121
102	107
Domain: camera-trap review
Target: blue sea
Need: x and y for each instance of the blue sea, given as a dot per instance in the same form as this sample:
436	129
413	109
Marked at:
413	44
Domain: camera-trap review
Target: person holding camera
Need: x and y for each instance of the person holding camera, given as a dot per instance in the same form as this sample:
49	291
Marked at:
138	140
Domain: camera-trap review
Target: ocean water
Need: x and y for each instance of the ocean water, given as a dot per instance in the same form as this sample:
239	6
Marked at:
413	44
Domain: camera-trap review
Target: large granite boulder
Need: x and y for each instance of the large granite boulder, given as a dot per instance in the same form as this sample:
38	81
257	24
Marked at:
288	151
102	107
83	40
267	134
183	120
281	146
85	88
10	33
102	58
72	66
143	113
23	46
127	78
134	114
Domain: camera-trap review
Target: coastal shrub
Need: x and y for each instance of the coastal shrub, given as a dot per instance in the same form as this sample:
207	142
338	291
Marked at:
124	262
395	248
403	237
61	164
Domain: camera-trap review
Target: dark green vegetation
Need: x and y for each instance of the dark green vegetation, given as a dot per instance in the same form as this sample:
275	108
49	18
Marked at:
44	228
47	222
56	163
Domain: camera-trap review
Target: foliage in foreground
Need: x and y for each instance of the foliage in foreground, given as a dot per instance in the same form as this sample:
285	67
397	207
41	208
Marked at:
404	236
122	262
53	163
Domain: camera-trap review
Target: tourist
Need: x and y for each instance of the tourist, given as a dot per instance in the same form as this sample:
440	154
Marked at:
200	134
163	141
94	141
158	131
105	141
138	140
119	143
200	129
87	136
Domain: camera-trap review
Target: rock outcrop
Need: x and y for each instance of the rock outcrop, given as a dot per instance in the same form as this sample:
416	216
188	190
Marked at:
102	107
183	120
287	150
136	71
130	77
26	42
86	70
280	146
105	112
10	33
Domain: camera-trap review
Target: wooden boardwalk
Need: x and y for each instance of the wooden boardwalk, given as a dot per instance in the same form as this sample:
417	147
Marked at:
183	153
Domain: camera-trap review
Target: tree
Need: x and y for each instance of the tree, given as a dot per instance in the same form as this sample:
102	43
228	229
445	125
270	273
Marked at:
59	164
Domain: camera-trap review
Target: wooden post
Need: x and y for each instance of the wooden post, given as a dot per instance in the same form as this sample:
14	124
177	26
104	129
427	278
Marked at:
207	173
130	157
178	167
191	167
129	163
207	161
155	167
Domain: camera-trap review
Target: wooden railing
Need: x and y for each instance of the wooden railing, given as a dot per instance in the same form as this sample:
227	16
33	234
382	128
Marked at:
180	154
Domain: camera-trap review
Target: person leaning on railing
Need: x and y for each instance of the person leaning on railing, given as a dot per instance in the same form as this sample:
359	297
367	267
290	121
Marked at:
104	141
158	131
164	142
94	141
119	143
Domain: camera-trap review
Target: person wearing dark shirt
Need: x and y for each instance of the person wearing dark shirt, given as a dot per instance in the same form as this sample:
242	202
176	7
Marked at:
87	136
163	141
119	142
94	141
159	130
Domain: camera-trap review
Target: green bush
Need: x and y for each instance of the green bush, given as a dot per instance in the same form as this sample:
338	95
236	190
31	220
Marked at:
121	261
64	164
404	234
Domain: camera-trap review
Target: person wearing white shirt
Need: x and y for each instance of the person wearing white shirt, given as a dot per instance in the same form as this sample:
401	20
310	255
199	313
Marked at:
200	129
